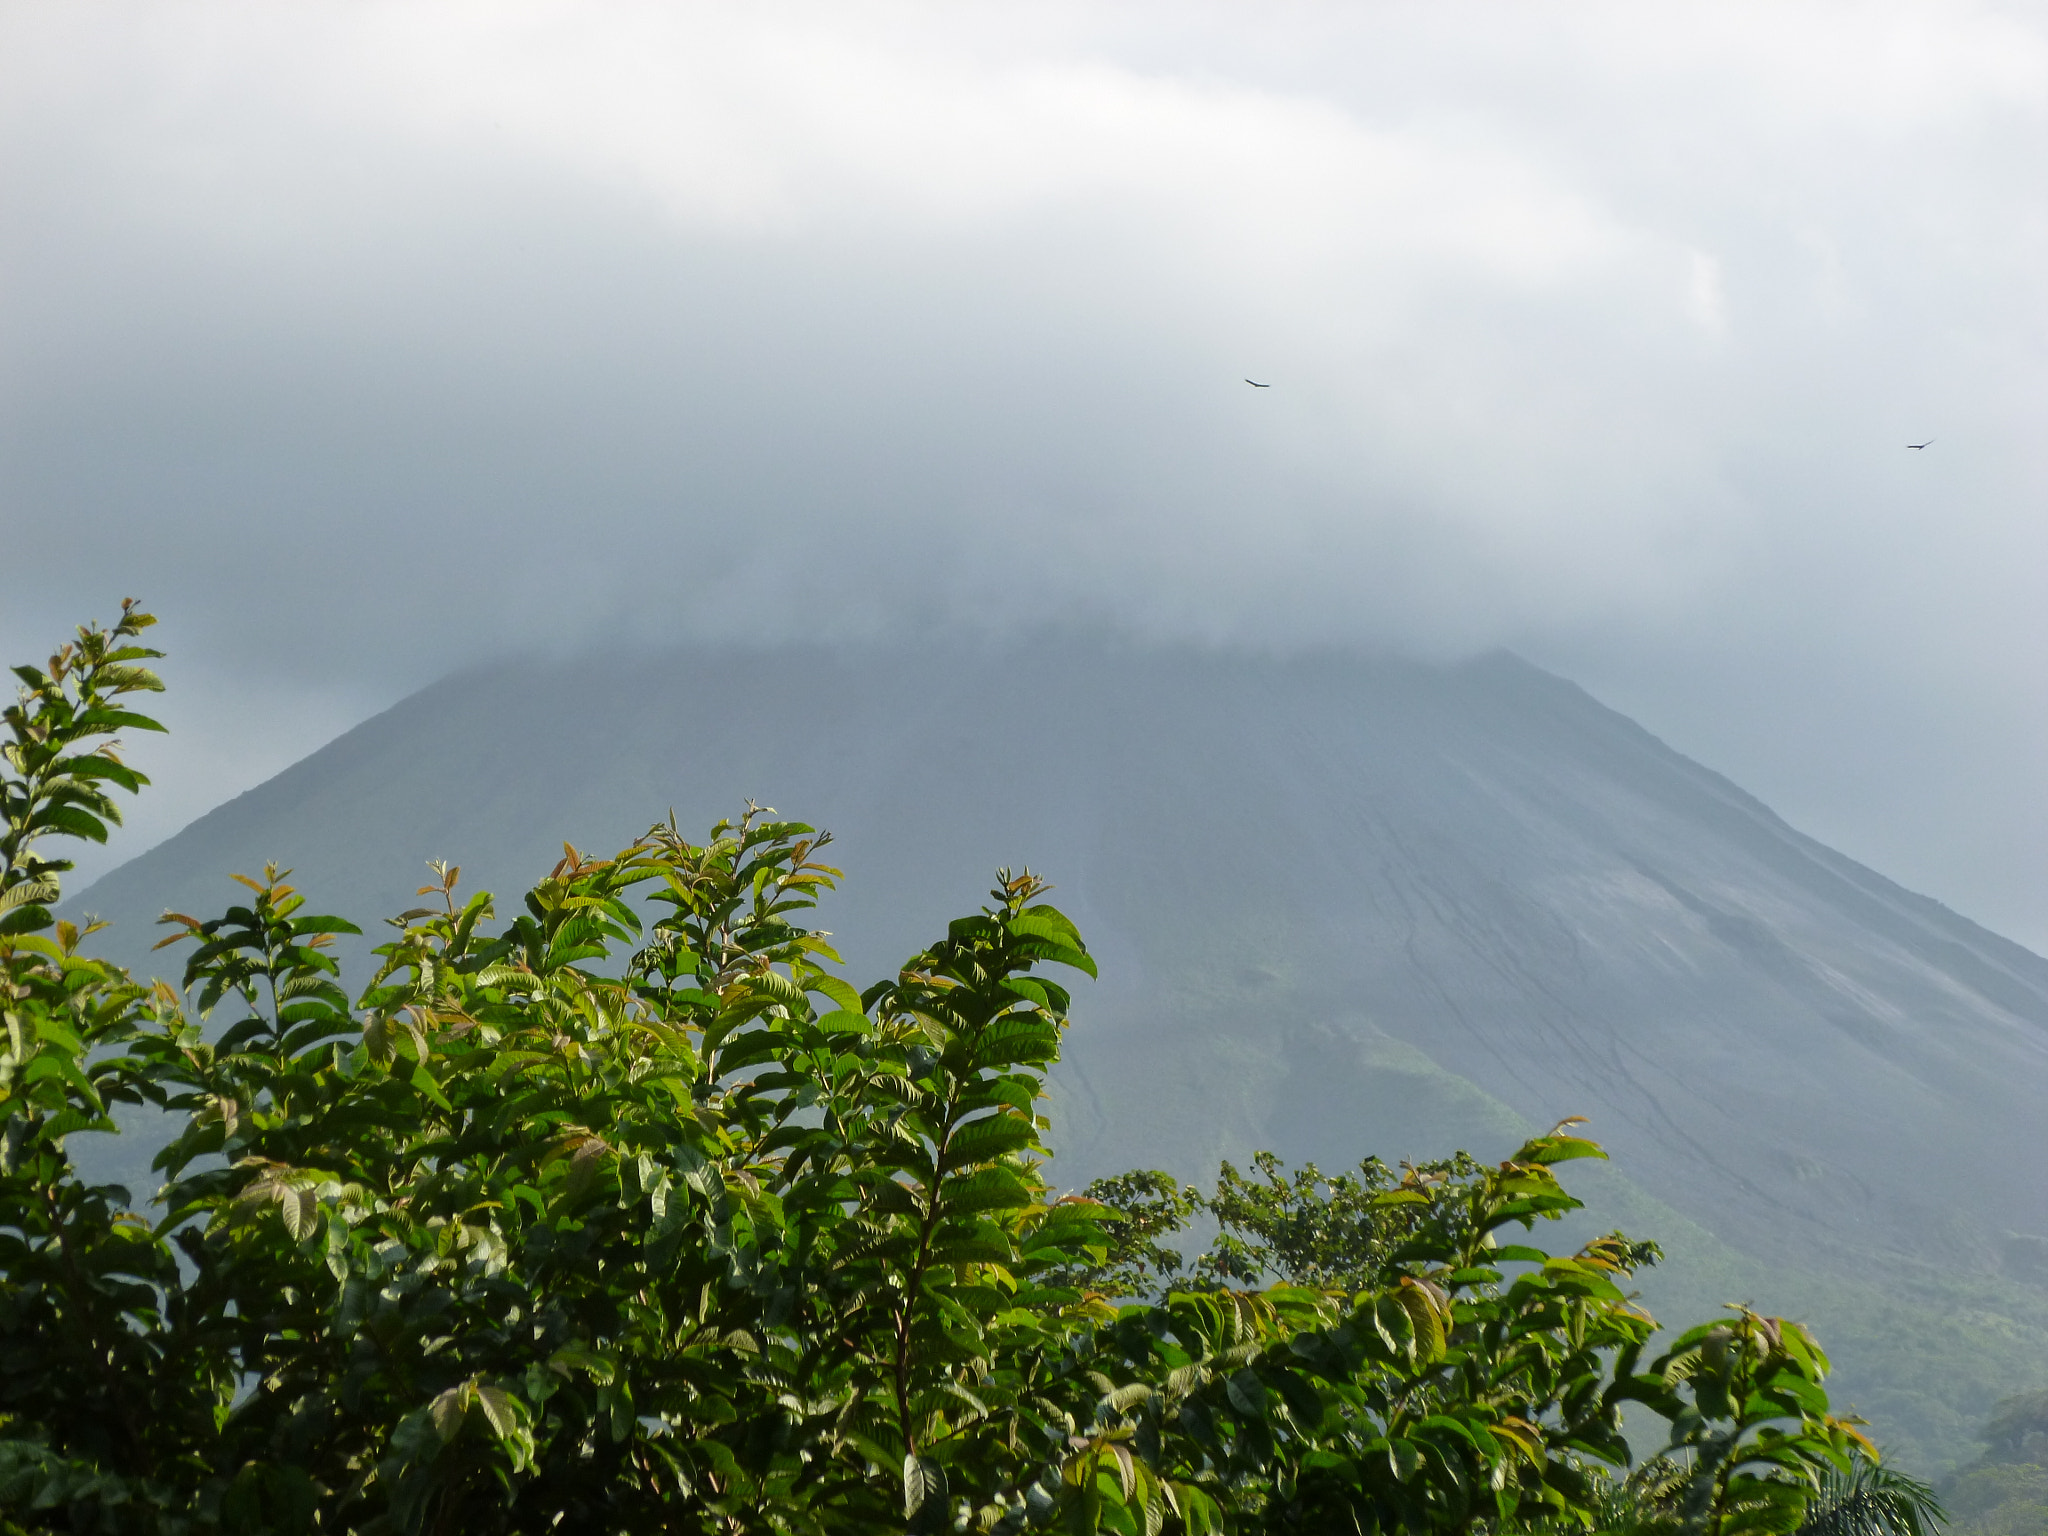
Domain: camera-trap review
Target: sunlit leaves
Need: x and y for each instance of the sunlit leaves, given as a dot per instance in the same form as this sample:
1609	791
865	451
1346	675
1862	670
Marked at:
83	1281
54	783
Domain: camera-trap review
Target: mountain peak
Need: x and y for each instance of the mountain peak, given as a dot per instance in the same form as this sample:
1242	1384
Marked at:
1343	904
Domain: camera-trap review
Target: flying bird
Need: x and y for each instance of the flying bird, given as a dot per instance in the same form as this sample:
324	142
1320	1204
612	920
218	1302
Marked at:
1255	384
1919	445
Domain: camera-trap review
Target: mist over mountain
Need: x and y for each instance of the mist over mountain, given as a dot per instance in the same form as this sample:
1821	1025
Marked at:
1343	904
406	336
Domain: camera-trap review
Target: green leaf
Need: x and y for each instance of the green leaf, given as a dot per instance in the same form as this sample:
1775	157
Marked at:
987	1189
449	1409
924	1481
1246	1392
842	995
300	1209
423	1080
989	1138
500	1410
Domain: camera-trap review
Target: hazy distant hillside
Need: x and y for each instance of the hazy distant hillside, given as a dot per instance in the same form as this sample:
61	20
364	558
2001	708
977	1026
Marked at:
1342	906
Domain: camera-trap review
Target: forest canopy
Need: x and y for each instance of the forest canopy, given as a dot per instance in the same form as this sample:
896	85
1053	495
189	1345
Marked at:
622	1210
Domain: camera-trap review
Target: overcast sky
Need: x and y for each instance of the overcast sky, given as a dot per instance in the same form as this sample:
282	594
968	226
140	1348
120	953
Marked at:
365	340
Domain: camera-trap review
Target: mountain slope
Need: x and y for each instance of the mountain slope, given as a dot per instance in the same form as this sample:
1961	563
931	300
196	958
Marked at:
1342	905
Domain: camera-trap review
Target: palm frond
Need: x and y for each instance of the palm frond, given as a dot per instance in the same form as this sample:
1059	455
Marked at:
1871	1499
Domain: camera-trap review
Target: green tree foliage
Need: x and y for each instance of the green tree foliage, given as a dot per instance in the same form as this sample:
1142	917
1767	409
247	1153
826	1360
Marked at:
1138	1213
629	1214
2017	1430
1301	1226
1323	1231
1349	1231
88	1283
2005	1492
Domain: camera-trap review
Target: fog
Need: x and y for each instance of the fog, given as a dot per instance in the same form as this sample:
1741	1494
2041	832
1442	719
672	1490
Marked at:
364	341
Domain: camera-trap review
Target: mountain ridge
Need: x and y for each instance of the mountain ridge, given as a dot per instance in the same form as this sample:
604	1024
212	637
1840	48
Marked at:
1342	904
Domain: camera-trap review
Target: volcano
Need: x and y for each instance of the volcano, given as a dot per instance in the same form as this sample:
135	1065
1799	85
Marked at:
1343	905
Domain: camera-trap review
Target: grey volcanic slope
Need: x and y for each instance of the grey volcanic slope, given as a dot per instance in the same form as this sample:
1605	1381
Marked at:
1342	905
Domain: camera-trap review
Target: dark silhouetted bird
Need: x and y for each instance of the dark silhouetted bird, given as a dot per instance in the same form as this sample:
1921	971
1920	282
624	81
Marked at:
1255	384
1919	445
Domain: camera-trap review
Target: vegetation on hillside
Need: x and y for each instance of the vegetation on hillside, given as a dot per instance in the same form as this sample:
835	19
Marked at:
627	1213
2005	1491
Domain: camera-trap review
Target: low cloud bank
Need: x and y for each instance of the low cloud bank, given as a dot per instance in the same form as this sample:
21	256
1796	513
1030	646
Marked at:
368	340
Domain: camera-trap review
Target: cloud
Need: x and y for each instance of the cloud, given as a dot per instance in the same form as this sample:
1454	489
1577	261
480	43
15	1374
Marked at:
369	339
